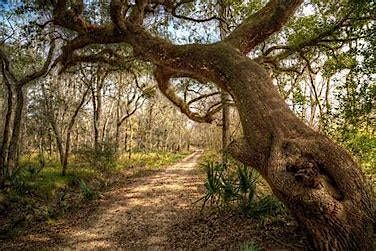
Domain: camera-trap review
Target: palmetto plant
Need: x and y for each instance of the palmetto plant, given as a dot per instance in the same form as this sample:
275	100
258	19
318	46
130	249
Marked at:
227	186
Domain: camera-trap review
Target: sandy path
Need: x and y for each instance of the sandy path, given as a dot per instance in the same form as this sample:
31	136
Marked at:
138	215
155	212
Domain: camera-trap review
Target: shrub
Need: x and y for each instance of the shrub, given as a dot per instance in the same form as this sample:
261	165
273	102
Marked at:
250	247
86	191
103	157
227	186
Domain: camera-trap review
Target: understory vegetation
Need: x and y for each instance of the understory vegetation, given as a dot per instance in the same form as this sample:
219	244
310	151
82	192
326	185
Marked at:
237	187
277	97
38	192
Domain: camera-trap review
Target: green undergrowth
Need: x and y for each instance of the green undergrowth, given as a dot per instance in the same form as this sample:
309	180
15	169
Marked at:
152	160
363	146
237	187
48	181
39	192
252	246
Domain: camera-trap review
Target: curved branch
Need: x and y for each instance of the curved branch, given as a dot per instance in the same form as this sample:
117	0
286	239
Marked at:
162	77
202	97
261	25
174	14
45	68
105	56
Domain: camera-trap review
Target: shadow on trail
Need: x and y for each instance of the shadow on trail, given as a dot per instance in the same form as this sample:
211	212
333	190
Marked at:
155	212
136	215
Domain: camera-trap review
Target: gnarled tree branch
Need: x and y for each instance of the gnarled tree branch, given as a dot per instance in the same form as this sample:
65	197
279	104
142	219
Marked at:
258	27
162	77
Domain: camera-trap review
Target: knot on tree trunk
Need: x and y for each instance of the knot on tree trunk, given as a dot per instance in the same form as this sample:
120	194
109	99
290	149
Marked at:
305	171
304	168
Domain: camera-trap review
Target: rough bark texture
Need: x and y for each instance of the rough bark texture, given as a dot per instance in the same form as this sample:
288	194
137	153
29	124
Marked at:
13	154
225	97
6	133
316	179
9	152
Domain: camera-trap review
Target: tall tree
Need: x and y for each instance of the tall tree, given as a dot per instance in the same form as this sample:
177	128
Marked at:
317	180
73	102
15	86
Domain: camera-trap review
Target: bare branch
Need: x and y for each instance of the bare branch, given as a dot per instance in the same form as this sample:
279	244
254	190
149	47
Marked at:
175	14
45	68
162	77
203	97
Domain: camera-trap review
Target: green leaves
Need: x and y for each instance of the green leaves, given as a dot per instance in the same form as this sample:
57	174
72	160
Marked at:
229	187
86	191
338	63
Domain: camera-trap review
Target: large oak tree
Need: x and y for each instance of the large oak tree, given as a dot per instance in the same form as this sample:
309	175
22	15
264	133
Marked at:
316	179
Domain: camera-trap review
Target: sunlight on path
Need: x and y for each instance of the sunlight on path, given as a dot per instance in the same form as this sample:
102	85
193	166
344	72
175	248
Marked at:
139	215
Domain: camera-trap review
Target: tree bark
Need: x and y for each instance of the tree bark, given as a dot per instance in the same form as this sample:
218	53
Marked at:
69	132
14	145
50	114
225	97
225	125
6	133
316	179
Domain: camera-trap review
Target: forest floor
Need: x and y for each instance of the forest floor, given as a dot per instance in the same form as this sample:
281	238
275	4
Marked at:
157	212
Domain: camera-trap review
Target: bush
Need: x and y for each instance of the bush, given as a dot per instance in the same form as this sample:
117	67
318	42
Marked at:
103	157
250	247
86	191
229	186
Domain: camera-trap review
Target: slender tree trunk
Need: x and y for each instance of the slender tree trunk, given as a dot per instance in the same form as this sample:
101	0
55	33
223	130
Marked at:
225	97
96	117
53	123
117	129
66	154
117	136
69	132
59	143
6	134
13	155
130	148
225	125
49	143
126	138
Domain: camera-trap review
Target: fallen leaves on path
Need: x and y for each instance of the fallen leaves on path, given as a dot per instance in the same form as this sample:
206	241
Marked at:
155	212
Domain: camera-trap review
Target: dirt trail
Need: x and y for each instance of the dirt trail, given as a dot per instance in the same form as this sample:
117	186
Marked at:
156	212
138	215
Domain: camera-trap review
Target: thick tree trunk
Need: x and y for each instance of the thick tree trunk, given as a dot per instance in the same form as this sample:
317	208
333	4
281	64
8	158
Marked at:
317	180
